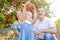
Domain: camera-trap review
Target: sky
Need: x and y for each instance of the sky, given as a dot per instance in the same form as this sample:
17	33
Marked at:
55	7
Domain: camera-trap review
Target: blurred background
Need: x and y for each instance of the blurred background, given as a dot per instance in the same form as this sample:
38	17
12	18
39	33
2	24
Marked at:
9	7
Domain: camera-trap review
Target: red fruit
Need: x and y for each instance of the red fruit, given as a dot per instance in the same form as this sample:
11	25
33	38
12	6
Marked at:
5	19
7	8
14	5
22	2
28	6
5	13
10	0
11	4
32	11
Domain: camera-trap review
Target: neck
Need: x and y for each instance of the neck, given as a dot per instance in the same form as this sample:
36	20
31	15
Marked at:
41	19
29	20
19	21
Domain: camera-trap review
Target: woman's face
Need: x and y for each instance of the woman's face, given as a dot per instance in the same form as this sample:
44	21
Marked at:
19	14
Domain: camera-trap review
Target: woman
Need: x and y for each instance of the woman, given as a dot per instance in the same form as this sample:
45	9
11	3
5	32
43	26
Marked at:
16	26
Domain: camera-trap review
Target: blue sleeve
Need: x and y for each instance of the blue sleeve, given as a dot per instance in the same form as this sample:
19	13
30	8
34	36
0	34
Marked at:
14	26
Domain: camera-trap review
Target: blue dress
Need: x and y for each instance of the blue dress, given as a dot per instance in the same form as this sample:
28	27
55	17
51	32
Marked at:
27	32
17	26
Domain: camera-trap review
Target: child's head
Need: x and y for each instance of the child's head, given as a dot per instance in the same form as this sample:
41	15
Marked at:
28	15
18	14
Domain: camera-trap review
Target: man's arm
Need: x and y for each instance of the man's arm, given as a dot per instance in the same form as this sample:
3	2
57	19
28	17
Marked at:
52	30
52	27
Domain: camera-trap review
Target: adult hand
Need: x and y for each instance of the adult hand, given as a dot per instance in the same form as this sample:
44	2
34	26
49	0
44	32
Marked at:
36	33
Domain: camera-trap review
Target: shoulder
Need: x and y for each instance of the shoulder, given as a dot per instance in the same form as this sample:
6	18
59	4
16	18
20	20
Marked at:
37	21
24	23
51	22
48	19
15	23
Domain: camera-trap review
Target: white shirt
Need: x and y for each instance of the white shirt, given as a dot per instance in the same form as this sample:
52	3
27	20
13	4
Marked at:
28	22
46	24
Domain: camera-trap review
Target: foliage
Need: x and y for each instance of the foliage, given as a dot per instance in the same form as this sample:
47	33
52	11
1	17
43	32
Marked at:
6	34
9	7
57	22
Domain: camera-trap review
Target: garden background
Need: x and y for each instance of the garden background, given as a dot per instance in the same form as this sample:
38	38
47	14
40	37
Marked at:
7	15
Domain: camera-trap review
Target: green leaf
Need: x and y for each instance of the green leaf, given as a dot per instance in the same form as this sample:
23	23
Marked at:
5	5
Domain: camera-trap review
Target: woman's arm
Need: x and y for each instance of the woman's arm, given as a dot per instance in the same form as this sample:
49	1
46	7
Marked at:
35	15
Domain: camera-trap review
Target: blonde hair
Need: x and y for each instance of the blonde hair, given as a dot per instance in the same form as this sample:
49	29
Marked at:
27	13
17	12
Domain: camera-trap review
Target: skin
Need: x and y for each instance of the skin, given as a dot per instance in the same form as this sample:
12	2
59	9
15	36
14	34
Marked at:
41	14
29	16
34	14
